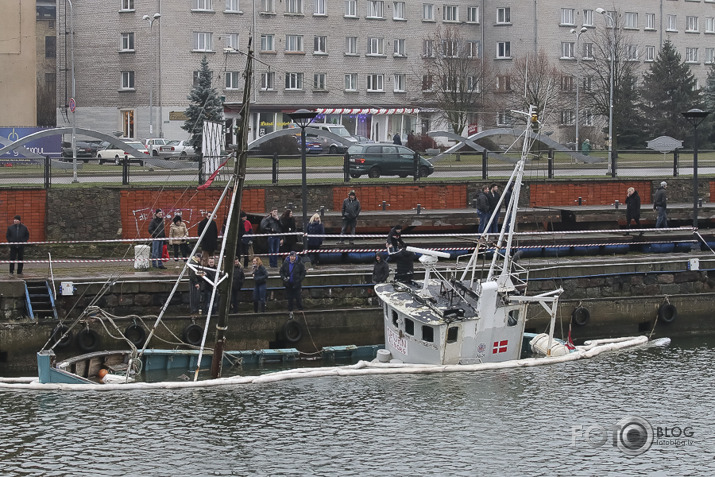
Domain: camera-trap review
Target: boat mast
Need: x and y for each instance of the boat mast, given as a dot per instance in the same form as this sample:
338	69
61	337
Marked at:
239	176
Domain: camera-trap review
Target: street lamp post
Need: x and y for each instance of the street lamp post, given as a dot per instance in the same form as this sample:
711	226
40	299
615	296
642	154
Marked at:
73	144
695	117
151	20
578	34
610	101
303	118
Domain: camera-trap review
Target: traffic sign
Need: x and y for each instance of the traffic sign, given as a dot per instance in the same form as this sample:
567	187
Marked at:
73	105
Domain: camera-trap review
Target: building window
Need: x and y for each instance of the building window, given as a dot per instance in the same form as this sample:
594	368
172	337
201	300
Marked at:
375	83
268	81
450	48
232	79
473	50
503	15
632	52
127	5
127	42
400	48
351	45
231	40
710	25
427	12
398	10
427	82
672	23
351	82
204	5
567	48
473	85
502	118
294	6
399	86
268	6
588	51
567	117
428	48
649	53
503	83
375	9
51	46
294	81
567	16
203	41
709	56
232	6
319	6
320	81
127	80
588	17
691	24
350	8
450	13
320	45
503	49
631	20
375	46
587	83
650	21
691	55
567	83
267	42
472	14
294	43
128	123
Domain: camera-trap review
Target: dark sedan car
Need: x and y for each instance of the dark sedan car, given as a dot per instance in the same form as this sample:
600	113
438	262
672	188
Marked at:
377	160
84	149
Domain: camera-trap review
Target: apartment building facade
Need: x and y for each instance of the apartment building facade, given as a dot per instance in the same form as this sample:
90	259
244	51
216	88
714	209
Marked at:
358	62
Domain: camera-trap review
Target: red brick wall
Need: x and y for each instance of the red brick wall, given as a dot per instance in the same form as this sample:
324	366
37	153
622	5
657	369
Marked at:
405	197
137	207
592	193
29	204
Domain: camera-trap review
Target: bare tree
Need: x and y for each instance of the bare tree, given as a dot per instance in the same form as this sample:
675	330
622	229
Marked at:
536	81
454	77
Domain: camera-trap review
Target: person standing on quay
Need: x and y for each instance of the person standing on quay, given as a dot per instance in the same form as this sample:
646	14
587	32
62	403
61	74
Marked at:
238	278
272	225
17	233
351	211
633	208
260	277
288	226
210	241
157	232
660	204
494	207
483	208
381	270
178	236
292	273
315	229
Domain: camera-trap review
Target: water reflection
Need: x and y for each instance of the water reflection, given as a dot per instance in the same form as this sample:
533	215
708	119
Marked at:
498	422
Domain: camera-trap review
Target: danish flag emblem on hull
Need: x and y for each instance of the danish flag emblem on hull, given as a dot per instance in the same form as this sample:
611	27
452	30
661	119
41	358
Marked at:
500	346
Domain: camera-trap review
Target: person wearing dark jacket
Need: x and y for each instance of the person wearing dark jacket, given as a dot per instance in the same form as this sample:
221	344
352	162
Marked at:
260	278
660	204
245	238
314	242
271	224
483	208
17	233
238	278
350	213
404	261
381	270
288	226
494	207
157	231
209	243
633	207
292	273
394	239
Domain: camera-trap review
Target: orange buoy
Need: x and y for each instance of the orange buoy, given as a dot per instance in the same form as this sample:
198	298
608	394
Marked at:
102	373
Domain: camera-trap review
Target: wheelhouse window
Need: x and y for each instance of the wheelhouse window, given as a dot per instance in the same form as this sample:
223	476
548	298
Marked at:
427	334
452	334
409	327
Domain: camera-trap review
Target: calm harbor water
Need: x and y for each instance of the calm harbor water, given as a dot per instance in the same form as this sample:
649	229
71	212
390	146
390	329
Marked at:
537	421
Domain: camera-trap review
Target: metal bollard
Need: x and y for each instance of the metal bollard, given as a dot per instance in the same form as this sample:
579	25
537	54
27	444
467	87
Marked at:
700	202
322	213
419	208
579	200
474	202
616	203
290	206
384	205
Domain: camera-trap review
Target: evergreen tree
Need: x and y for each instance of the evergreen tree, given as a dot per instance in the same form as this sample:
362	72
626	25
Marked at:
708	136
205	105
668	90
626	114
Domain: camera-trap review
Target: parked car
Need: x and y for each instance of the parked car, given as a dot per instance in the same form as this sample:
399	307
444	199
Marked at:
328	144
115	154
182	148
159	147
377	160
310	146
364	140
84	150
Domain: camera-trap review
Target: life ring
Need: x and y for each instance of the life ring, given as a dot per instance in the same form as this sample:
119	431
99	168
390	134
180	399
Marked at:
580	316
88	340
58	341
667	313
292	331
136	334
192	334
